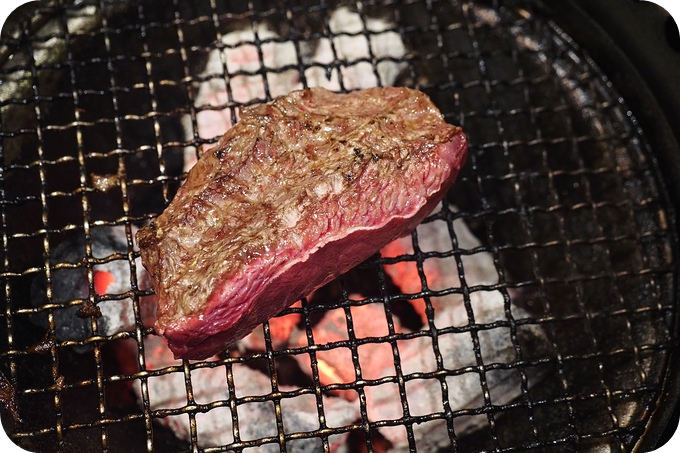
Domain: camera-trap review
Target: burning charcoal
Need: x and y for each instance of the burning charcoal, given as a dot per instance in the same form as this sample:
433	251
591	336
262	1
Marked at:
352	47
442	272
465	391
280	331
70	287
335	366
457	348
256	420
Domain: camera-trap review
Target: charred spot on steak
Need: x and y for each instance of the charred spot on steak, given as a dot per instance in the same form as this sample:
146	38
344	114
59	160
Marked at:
299	191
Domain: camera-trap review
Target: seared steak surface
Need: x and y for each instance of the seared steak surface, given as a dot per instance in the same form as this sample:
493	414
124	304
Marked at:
297	192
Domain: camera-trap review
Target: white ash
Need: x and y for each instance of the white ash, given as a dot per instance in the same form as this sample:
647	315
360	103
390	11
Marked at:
256	420
465	390
457	349
358	42
239	56
442	273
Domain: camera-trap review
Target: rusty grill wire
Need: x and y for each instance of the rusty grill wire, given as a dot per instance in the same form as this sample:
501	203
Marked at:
560	187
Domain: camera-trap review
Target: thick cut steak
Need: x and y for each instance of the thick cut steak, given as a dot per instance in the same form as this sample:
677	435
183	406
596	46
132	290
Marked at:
299	191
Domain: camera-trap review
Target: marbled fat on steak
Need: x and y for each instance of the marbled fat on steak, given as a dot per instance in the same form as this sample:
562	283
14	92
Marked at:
299	191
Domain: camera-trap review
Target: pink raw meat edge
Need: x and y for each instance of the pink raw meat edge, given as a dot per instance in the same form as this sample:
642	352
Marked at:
200	336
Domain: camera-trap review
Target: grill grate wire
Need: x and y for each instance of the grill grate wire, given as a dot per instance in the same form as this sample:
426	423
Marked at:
561	188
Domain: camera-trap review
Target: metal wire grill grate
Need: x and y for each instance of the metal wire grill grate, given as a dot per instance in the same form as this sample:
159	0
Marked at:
534	310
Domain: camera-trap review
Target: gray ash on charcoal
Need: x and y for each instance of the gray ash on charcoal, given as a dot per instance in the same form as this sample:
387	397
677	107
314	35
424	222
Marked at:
70	287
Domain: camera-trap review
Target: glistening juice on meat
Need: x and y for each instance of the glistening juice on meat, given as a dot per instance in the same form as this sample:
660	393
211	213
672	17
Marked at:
299	191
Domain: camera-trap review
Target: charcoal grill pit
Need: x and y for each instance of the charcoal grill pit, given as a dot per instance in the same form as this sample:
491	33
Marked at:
536	309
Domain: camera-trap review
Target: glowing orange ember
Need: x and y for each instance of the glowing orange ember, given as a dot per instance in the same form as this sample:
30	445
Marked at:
102	281
405	274
281	329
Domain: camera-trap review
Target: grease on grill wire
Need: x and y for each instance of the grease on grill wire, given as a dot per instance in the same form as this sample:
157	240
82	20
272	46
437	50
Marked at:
8	398
44	346
104	183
